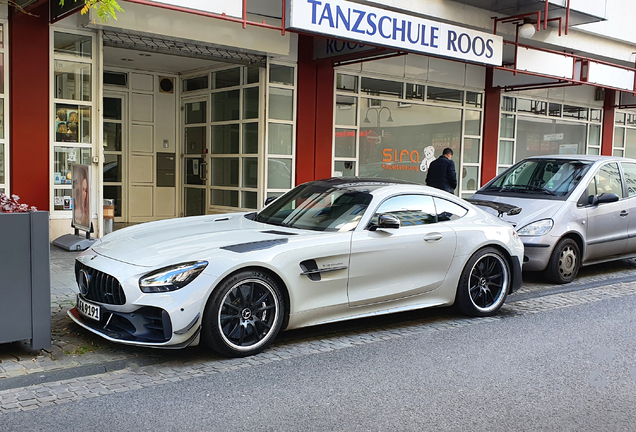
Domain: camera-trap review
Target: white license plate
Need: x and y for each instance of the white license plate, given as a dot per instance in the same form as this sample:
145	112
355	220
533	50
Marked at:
89	310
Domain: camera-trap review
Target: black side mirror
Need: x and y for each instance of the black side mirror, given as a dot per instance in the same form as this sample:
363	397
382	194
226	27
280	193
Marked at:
269	200
387	221
605	198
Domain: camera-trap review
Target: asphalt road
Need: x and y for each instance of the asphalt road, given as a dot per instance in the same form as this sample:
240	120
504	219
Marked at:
571	369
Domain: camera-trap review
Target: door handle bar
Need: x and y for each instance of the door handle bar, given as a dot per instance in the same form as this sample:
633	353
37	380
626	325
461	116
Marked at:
433	237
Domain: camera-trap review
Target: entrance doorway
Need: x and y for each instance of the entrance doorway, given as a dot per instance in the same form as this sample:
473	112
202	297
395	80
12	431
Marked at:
195	156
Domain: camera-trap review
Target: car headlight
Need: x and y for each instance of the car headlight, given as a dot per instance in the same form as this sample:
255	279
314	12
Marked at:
537	228
171	278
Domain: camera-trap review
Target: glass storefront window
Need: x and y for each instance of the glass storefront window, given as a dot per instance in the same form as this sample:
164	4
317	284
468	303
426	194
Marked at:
554	109
471	150
112	108
595	135
225	139
280	138
250	172
593	151
63	199
250	138
1	118
225	105
575	112
619	137
415	92
473	123
251	75
72	44
279	173
225	172
72	123
279	74
197	83
532	106
346	110
195	112
344	169
1	69
250	103
619	118
112	168
249	199
380	87
225	198
112	136
630	143
64	158
470	177
2	181
474	99
347	83
195	140
345	143
538	136
72	80
508	104
506	152
226	78
507	126
444	95
595	115
281	104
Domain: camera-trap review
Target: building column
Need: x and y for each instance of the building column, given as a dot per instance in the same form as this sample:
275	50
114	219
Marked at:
29	105
314	125
491	129
609	109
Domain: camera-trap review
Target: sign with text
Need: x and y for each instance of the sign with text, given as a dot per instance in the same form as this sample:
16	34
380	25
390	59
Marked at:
379	27
233	8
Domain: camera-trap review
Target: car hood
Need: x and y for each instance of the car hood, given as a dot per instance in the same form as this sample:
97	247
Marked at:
531	209
172	241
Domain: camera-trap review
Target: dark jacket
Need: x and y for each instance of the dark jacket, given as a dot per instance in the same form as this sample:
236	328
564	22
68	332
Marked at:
441	174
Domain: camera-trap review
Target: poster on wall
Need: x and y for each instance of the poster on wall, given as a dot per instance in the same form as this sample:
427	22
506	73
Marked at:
81	197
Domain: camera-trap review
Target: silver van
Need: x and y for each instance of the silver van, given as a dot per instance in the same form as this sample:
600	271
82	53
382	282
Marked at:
575	210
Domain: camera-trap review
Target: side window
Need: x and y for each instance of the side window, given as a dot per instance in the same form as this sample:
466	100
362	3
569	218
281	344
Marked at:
589	194
448	211
629	170
608	180
410	209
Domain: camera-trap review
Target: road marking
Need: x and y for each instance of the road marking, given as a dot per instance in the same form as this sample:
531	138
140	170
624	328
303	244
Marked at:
81	388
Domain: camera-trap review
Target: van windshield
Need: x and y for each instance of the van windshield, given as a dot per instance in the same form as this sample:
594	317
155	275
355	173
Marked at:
555	177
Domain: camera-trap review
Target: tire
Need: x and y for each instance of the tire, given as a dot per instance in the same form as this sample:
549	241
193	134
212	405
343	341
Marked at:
243	315
484	283
564	263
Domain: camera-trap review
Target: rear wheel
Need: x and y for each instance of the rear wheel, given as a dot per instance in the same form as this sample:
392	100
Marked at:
484	283
564	263
243	315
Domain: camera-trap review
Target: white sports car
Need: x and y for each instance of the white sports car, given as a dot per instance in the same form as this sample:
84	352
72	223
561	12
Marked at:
326	251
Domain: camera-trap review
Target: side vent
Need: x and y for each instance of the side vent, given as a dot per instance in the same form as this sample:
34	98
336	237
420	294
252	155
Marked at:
166	85
310	269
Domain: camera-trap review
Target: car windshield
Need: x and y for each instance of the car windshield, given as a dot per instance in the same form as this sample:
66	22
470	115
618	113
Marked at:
550	177
318	208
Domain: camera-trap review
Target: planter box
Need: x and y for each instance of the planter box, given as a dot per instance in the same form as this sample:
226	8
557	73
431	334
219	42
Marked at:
25	279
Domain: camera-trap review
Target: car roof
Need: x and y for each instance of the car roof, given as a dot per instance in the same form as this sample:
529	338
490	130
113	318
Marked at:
348	182
589	158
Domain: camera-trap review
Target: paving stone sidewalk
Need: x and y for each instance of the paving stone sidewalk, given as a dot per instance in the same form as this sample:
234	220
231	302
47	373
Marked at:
70	345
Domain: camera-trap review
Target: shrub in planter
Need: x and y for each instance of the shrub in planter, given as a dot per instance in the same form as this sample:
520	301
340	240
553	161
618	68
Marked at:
11	205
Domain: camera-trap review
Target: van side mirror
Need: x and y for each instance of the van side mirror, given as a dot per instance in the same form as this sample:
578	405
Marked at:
605	198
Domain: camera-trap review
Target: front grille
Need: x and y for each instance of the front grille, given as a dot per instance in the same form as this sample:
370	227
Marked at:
102	287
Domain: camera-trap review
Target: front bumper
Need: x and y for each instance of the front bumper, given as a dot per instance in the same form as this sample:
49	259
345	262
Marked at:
537	252
517	279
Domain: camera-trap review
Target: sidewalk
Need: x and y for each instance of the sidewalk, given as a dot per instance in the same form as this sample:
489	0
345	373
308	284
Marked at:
71	346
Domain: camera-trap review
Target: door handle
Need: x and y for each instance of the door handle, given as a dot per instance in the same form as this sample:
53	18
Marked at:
624	213
433	237
203	171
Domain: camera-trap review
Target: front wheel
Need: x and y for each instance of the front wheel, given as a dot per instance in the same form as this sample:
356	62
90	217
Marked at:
484	283
243	315
564	263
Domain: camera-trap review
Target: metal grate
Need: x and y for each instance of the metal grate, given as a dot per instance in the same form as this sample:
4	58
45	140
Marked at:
163	45
103	288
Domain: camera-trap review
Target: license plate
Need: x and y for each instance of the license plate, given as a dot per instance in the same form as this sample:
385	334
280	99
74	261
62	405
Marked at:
88	310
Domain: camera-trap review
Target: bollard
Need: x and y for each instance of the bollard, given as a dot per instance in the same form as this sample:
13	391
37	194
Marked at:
109	215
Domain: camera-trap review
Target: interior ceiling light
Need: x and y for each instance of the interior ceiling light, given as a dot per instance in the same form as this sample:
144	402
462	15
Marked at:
527	30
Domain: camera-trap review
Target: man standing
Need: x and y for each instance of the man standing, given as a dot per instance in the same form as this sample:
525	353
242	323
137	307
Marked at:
441	172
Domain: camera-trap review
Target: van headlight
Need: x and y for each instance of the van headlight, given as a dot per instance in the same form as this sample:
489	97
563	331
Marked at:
537	228
171	278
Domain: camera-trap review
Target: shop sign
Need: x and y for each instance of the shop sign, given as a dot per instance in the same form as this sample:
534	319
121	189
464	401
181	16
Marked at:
233	8
610	76
553	137
378	27
326	48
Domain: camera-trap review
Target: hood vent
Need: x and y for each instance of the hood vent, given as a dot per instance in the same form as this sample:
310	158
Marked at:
278	233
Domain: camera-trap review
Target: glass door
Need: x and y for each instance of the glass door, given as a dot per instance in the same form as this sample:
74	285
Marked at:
195	157
115	147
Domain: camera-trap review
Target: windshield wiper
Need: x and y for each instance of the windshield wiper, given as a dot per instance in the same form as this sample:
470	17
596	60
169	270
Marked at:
540	189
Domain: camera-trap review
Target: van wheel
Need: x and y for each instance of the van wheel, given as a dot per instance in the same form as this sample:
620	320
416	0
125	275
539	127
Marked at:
564	263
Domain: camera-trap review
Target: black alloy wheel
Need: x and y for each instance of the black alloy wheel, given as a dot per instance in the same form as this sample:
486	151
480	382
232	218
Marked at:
484	283
243	315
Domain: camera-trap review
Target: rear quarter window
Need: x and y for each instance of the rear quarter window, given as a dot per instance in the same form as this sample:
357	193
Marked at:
448	211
